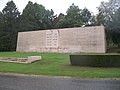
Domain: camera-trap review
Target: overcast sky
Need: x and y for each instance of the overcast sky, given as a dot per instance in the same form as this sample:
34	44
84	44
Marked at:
59	6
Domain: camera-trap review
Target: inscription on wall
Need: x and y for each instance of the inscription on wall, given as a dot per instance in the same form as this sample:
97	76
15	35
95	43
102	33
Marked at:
52	38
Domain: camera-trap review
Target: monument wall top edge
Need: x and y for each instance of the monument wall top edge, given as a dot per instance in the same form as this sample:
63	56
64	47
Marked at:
85	28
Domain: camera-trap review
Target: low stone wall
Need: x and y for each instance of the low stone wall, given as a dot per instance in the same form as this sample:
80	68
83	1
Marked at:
30	59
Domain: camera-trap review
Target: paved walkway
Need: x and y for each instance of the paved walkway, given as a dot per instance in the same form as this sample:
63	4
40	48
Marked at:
16	82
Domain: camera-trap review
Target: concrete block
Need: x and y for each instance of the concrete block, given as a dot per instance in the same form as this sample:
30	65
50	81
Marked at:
33	58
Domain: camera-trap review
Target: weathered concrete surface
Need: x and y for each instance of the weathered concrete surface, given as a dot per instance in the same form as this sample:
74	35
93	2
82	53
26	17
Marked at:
86	39
11	82
33	59
30	59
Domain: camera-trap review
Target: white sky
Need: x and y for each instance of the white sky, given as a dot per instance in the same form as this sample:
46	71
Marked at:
59	6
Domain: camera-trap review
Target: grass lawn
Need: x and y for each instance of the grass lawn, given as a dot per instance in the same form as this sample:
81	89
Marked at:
55	65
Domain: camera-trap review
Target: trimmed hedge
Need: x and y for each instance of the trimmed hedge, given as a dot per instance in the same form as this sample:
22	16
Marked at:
102	60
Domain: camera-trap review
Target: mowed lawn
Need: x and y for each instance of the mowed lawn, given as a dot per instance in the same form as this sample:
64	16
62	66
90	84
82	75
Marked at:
55	65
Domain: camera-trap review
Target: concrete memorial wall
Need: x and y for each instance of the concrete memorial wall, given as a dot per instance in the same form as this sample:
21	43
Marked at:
68	40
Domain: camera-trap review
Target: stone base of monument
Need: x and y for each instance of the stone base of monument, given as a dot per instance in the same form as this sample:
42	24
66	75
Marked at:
30	59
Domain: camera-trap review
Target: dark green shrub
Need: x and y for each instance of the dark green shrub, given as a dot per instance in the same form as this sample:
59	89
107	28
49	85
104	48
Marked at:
118	51
99	60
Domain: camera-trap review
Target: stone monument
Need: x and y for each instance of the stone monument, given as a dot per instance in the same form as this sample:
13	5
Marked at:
67	40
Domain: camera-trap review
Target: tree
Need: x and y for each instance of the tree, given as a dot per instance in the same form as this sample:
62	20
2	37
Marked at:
116	20
11	17
1	22
6	42
92	21
73	17
27	20
60	21
109	17
35	17
107	11
10	25
86	16
115	27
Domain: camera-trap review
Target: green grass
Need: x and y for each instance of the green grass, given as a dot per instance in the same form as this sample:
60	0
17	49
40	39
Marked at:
55	65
